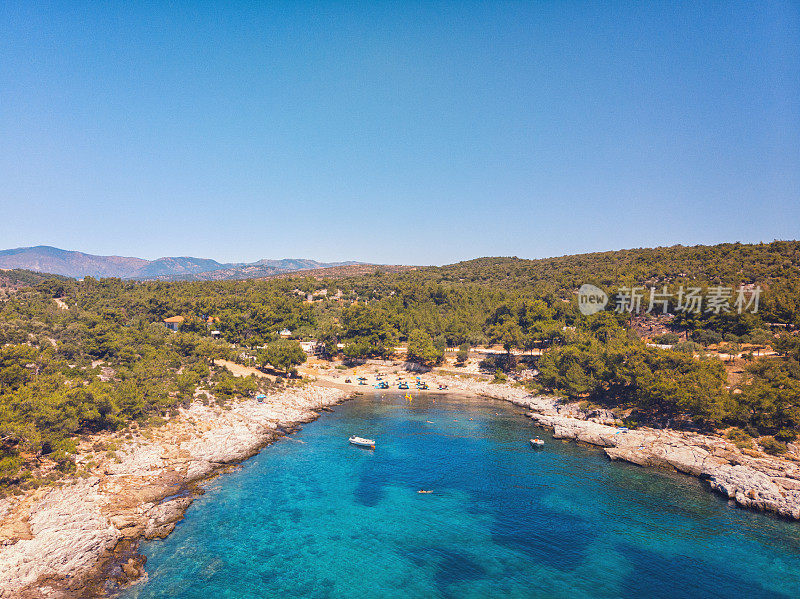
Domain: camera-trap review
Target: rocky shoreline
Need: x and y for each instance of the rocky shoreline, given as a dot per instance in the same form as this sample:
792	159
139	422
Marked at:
80	539
751	480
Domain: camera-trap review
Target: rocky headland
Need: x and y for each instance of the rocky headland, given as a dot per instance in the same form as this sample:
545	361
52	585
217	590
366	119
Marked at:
79	539
749	478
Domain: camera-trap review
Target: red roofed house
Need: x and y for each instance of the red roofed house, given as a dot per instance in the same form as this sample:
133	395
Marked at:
174	323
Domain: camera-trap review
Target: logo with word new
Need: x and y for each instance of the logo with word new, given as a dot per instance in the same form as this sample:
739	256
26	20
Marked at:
591	299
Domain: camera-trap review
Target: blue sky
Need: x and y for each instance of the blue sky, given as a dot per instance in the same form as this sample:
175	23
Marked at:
420	133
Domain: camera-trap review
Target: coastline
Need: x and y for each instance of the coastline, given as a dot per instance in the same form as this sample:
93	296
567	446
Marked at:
762	483
753	480
81	539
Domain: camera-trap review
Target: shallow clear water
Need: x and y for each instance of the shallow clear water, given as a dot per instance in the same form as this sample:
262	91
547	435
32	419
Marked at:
313	516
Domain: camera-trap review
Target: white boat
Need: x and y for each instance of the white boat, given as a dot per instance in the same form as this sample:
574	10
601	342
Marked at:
537	442
361	442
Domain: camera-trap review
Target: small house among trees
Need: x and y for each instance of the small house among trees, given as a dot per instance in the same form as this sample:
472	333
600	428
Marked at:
174	323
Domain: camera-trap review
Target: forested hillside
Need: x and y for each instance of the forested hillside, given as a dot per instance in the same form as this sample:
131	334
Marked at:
100	357
728	263
16	278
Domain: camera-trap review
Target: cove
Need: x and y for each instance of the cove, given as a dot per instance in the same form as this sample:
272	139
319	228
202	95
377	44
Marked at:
312	516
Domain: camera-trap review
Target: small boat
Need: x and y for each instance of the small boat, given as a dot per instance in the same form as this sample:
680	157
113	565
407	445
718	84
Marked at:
362	442
537	442
424	491
382	385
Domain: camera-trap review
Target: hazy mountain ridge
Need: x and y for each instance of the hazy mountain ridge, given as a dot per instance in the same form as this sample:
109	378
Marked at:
79	264
176	266
49	259
259	270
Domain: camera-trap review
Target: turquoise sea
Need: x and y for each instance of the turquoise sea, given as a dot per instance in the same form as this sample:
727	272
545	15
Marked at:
313	516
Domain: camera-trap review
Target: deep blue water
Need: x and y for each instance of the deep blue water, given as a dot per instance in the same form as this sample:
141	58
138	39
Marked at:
312	516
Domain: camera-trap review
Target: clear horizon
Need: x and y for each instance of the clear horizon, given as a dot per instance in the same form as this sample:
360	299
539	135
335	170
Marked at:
397	134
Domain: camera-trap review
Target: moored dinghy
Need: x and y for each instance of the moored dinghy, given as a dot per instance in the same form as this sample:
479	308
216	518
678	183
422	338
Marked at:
362	442
537	442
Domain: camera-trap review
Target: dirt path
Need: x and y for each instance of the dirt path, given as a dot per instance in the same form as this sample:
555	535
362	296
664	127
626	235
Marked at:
239	370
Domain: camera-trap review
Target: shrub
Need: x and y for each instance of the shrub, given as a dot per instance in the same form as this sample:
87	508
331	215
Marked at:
532	386
786	435
666	339
463	353
66	464
9	466
687	347
771	445
155	421
740	438
705	337
489	363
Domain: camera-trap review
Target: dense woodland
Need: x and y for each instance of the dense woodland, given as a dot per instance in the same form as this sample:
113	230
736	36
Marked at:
108	360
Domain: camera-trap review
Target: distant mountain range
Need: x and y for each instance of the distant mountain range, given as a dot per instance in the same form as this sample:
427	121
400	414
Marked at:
43	258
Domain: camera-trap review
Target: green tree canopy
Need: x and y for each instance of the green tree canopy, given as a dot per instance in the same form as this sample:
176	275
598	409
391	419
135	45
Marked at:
282	354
